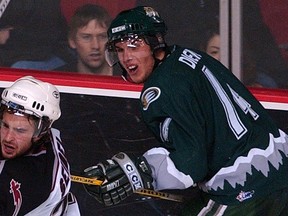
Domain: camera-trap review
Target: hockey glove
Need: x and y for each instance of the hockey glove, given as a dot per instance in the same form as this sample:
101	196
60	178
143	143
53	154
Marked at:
121	176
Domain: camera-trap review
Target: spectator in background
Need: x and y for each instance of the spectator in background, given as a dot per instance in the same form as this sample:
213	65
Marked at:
210	42
36	37
253	76
88	37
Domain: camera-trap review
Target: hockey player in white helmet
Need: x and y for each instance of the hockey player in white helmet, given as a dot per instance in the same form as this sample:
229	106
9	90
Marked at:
34	172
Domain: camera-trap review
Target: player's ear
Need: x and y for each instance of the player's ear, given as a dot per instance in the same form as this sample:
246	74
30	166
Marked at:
159	54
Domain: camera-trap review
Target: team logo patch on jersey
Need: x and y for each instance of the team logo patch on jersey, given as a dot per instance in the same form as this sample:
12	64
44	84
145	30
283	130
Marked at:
17	196
150	95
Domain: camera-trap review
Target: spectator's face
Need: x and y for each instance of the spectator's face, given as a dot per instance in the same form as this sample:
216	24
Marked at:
16	135
89	43
4	35
137	59
213	47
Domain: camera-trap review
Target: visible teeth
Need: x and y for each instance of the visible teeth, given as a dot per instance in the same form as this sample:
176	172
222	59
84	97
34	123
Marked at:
132	67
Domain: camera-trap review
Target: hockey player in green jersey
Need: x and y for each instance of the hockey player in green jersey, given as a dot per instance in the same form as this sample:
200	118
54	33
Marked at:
214	134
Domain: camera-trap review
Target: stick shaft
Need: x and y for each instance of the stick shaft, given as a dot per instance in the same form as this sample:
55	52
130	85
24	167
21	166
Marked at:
161	195
145	192
84	180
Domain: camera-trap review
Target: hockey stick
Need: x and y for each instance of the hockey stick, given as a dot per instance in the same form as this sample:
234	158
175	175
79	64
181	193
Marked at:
84	180
145	192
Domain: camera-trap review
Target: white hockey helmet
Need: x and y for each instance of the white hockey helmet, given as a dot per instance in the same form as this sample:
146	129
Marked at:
33	97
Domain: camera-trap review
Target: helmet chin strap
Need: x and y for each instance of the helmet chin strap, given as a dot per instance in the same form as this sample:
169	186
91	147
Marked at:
38	141
42	127
35	145
125	75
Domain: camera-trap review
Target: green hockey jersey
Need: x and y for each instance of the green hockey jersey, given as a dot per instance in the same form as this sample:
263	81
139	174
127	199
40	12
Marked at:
214	128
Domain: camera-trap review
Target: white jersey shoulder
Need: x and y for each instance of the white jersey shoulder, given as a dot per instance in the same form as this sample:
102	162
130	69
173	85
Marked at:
61	201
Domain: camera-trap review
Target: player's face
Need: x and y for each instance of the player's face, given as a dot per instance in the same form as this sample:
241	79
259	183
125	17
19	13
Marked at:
16	135
89	43
137	59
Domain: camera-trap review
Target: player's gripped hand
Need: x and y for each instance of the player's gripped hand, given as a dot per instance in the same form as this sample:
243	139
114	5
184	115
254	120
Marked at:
115	186
120	178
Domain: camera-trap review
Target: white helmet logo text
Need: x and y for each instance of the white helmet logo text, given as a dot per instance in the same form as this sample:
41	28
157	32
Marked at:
18	96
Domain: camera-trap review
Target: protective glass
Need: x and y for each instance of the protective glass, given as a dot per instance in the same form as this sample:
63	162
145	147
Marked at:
18	109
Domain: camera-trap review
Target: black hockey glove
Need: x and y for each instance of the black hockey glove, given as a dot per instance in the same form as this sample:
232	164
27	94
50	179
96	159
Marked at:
121	176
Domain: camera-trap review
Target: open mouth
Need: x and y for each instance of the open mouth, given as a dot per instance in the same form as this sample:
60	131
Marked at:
8	149
132	69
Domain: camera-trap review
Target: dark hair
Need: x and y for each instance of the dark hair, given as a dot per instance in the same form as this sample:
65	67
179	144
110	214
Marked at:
84	14
207	33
